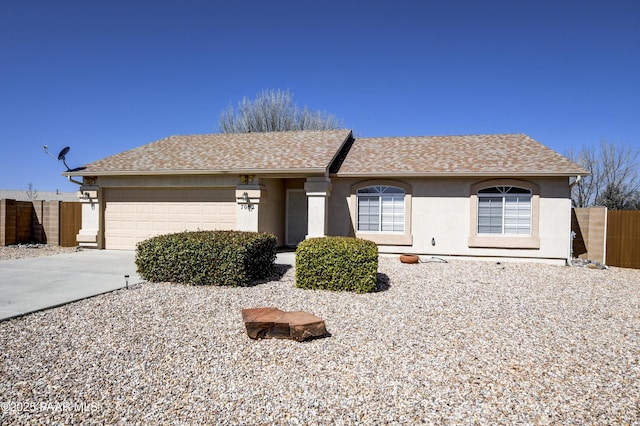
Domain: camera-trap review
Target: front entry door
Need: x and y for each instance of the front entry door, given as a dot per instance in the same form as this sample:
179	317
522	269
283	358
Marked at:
297	216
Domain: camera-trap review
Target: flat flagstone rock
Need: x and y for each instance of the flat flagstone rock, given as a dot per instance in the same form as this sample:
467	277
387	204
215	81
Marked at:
265	323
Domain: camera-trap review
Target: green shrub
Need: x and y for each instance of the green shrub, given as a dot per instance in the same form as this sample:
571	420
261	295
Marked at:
337	263
232	258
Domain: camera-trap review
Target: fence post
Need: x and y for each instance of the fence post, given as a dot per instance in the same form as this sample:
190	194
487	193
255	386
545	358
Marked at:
8	212
38	234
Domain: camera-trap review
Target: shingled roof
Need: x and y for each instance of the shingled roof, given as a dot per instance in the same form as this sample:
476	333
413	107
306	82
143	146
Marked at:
273	152
487	155
313	152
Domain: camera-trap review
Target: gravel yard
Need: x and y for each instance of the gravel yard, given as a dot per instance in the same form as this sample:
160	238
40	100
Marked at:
23	251
462	342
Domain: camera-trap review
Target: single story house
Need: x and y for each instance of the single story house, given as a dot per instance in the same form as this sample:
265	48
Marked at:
492	196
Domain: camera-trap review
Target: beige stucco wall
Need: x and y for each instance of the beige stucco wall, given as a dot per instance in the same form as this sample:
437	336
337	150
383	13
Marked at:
441	210
272	208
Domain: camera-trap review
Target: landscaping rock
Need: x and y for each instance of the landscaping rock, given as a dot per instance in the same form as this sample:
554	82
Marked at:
588	264
268	323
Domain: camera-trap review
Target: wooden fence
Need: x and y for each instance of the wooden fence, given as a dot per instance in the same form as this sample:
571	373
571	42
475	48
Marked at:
50	222
623	238
70	223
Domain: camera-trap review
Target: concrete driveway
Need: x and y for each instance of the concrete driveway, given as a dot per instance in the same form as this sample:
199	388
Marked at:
28	285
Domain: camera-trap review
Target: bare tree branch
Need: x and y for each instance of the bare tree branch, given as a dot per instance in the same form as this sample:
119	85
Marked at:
614	180
272	111
32	193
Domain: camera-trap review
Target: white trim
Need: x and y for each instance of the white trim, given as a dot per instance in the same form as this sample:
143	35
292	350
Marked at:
504	195
381	194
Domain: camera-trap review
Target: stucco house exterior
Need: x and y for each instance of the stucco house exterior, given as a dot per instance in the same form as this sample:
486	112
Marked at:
489	196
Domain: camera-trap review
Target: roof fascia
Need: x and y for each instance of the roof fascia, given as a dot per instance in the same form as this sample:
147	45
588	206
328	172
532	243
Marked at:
298	171
342	151
460	174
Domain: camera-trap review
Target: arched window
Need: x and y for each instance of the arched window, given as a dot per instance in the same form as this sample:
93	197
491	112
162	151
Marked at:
381	209
504	210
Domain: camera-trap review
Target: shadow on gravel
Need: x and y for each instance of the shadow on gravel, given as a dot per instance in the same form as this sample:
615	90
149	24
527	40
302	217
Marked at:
279	270
383	283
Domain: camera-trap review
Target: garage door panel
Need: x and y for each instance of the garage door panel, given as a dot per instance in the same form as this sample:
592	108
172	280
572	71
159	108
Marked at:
213	210
178	208
195	226
176	227
159	208
191	209
141	209
143	225
129	209
128	225
159	226
133	215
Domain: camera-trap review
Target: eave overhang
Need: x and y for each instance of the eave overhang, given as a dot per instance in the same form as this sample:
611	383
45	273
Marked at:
240	171
457	174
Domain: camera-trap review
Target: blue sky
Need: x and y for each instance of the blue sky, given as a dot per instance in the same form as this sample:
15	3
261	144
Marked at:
103	77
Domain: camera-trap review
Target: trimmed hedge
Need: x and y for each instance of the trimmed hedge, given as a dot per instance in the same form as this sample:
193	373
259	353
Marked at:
338	264
231	258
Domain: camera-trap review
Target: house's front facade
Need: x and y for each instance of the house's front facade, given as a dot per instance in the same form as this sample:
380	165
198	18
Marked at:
491	196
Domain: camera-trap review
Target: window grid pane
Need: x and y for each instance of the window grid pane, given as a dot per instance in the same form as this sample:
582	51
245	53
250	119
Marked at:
368	213
490	215
392	213
517	215
509	214
380	209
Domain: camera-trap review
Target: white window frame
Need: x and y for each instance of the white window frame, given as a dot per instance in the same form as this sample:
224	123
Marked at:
383	238
507	198
388	197
504	241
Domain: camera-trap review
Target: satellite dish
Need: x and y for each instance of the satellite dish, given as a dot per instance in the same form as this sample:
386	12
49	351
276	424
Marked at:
63	153
63	157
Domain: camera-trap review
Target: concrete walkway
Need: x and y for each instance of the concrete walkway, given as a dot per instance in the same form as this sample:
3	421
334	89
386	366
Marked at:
29	285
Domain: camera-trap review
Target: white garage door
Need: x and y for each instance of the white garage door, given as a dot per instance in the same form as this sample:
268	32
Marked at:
133	215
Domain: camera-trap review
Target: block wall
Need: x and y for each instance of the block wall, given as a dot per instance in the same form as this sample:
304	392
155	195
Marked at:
590	227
